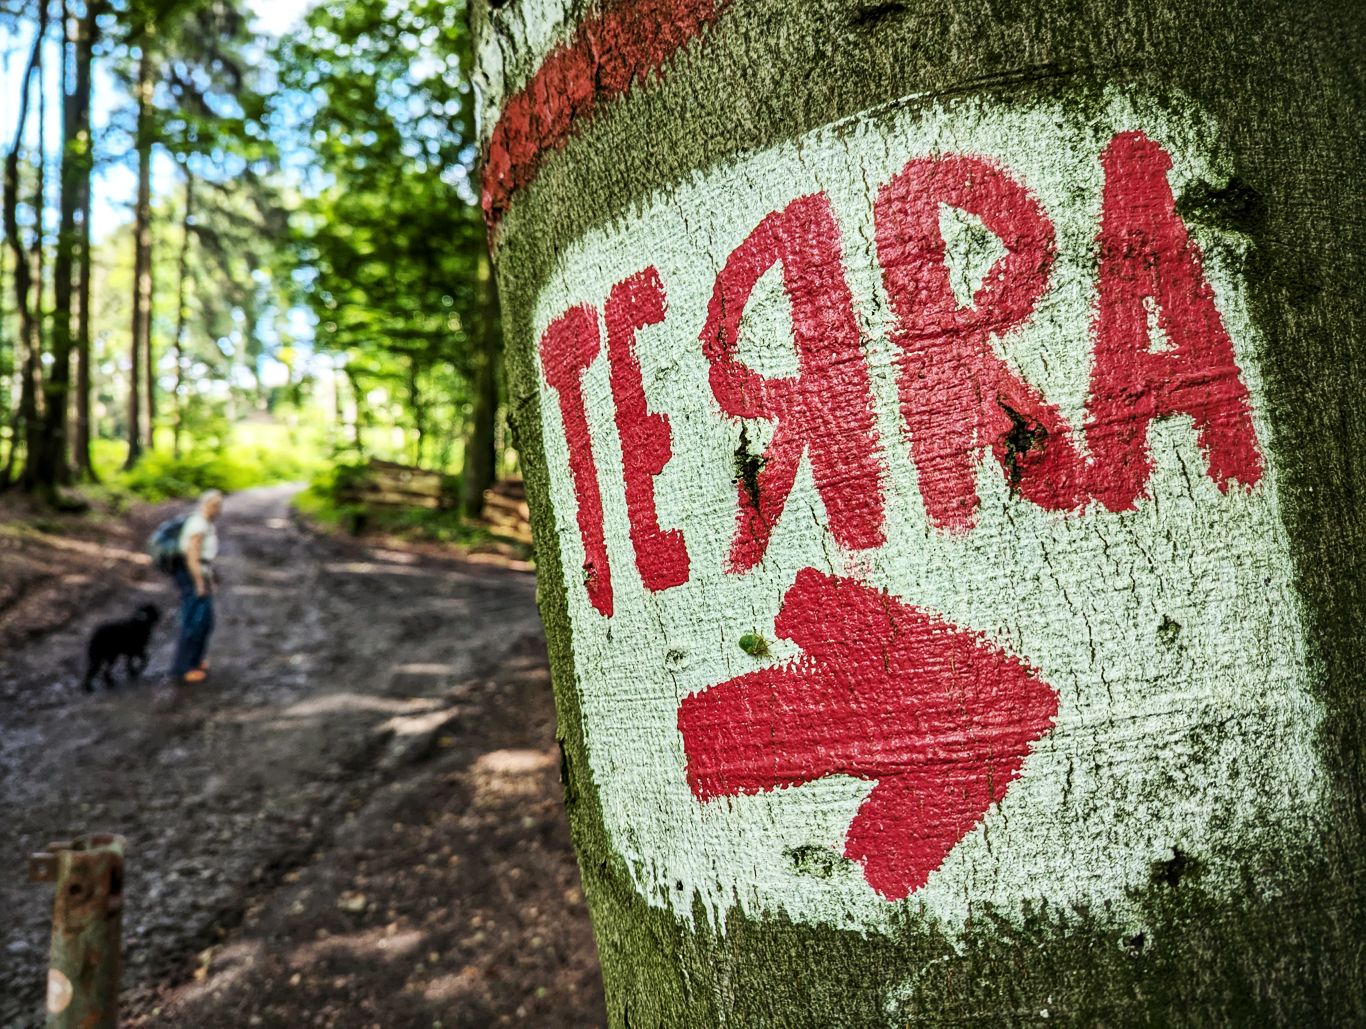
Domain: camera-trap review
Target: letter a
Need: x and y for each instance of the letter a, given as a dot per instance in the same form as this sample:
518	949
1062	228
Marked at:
1151	275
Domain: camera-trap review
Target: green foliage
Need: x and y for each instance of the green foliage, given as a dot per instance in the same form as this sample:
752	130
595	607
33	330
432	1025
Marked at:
319	503
388	238
342	478
318	252
161	476
247	455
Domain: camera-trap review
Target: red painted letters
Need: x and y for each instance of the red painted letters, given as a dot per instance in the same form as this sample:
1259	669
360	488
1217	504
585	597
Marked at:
568	346
826	410
939	717
1147	258
634	303
958	396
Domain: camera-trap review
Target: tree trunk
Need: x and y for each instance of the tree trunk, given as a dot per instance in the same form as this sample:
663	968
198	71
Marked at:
142	256
50	463
85	50
182	306
358	424
338	406
943	428
418	405
6	352
149	380
36	441
26	413
480	456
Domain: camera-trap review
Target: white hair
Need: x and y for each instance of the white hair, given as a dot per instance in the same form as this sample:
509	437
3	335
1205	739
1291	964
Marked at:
208	497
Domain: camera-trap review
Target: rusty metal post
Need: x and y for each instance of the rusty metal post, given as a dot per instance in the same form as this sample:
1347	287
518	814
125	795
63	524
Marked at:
87	917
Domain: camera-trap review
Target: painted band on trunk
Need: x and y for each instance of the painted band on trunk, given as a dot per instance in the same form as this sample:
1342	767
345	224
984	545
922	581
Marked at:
609	53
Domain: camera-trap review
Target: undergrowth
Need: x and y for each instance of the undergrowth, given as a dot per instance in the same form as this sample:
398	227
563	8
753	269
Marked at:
327	502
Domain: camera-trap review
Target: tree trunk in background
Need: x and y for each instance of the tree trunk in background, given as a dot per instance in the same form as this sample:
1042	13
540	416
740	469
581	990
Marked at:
6	351
357	426
149	381
480	457
182	306
142	257
50	463
85	50
943	430
419	408
36	441
338	406
26	411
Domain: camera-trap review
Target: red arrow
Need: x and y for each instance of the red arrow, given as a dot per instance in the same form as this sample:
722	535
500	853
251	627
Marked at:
937	715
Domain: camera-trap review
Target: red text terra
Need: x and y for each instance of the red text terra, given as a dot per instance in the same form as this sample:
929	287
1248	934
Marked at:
957	396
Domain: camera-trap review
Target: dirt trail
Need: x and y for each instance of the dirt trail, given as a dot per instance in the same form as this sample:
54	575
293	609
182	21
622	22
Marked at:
355	822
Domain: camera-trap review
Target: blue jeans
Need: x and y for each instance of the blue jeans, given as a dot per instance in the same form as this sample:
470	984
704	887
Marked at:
196	624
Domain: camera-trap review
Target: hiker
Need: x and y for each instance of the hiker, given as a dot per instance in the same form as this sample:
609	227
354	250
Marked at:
193	570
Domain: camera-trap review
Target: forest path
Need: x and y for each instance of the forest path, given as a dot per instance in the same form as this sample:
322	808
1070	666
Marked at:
356	821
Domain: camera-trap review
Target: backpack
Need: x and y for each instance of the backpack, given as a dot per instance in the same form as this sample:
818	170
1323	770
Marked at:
164	543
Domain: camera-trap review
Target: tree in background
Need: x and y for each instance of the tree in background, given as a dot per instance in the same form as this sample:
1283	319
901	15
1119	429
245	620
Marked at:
193	53
480	468
941	424
388	237
322	250
79	151
70	325
35	442
26	412
214	129
194	99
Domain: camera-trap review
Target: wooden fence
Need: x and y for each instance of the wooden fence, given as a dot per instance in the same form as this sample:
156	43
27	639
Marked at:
387	484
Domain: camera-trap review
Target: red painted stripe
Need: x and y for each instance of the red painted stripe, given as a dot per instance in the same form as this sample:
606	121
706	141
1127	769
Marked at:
608	54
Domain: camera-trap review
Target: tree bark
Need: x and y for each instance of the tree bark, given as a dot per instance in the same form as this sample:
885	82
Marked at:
25	415
418	405
149	383
142	257
338	405
182	306
480	455
50	466
37	443
85	52
6	347
942	426
358	424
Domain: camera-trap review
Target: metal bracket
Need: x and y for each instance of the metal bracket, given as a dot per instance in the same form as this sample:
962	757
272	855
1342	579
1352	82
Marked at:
42	867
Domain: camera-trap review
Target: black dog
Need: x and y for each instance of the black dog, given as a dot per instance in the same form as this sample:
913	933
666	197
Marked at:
127	639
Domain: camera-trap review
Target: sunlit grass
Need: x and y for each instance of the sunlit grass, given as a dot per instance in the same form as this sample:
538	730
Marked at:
255	453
